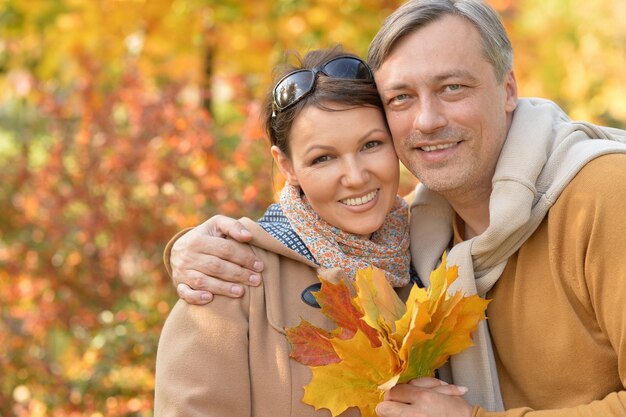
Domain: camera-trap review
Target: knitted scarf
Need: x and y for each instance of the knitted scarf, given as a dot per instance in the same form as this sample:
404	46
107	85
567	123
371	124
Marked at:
387	249
543	152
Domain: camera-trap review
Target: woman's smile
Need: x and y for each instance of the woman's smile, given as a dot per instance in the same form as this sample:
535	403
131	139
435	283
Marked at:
359	201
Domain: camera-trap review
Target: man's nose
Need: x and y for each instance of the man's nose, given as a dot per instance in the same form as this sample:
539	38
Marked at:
430	116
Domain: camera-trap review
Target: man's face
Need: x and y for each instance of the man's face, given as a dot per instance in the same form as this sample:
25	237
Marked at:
448	114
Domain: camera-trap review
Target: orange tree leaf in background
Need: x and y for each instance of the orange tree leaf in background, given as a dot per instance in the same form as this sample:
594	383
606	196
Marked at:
414	338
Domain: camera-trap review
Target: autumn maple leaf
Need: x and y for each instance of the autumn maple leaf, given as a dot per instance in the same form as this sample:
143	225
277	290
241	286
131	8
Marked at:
380	341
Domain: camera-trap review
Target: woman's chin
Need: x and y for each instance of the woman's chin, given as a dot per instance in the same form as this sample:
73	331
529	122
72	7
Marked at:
362	230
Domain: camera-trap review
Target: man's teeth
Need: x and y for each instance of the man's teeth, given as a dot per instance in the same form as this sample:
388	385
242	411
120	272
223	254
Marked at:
437	147
359	200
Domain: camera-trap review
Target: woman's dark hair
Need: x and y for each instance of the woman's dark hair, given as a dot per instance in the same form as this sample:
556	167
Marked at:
327	90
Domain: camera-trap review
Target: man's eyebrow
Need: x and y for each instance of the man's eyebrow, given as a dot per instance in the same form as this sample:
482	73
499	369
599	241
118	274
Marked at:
456	74
464	74
396	86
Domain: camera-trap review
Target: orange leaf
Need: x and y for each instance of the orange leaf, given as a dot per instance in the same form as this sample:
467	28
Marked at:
310	345
337	305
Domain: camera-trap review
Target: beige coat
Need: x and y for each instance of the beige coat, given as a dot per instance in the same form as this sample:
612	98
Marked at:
230	358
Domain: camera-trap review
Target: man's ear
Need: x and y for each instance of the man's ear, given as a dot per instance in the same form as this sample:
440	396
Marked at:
285	166
511	91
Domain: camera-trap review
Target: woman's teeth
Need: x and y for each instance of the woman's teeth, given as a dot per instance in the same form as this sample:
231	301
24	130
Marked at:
360	200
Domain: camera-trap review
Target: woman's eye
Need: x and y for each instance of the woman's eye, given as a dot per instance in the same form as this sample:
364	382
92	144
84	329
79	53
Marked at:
371	144
320	159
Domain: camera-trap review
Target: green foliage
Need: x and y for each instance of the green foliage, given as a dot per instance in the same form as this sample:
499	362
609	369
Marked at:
123	121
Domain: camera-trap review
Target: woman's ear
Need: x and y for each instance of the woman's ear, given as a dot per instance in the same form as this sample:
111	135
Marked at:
285	166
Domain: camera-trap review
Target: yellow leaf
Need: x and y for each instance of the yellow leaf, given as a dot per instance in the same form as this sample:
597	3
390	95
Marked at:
416	296
354	381
379	302
413	339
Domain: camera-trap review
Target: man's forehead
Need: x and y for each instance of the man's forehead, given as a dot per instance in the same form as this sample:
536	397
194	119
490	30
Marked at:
448	33
434	54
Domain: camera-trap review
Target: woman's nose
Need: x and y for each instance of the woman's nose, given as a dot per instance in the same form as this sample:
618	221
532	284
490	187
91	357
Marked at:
355	173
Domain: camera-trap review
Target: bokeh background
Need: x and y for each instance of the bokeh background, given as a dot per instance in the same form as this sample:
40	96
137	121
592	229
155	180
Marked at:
122	121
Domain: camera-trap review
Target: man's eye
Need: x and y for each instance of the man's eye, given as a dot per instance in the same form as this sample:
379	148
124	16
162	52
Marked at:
399	98
454	87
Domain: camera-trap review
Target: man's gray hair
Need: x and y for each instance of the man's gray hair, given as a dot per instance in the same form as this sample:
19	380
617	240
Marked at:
416	14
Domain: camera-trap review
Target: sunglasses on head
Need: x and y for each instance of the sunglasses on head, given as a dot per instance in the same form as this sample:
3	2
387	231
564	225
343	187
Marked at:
297	84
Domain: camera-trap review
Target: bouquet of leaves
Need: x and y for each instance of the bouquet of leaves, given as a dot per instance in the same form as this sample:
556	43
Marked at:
379	340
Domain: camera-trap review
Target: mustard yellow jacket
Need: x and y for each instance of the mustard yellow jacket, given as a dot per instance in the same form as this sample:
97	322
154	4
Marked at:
230	358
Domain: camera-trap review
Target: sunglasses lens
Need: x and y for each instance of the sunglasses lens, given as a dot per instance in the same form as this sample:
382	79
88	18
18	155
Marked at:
297	84
347	67
292	88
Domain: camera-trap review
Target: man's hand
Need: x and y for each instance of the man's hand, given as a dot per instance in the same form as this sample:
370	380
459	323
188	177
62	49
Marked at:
205	264
425	397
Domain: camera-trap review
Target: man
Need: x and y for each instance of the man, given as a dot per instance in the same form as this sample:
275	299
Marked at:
531	202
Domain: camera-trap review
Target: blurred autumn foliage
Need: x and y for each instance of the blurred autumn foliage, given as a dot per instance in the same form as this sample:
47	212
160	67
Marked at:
122	121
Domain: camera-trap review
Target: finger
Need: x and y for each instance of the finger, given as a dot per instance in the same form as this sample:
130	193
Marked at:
425	402
454	390
199	256
392	409
192	296
224	263
427	382
439	386
226	250
225	226
404	393
197	280
410	394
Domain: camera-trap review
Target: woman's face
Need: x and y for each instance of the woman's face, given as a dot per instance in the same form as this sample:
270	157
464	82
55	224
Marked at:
346	165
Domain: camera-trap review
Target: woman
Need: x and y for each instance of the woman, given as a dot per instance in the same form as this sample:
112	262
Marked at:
338	212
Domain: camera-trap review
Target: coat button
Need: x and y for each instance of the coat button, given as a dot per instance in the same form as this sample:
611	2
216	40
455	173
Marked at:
307	295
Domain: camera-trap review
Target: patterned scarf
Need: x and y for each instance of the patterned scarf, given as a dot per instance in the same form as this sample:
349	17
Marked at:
387	249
